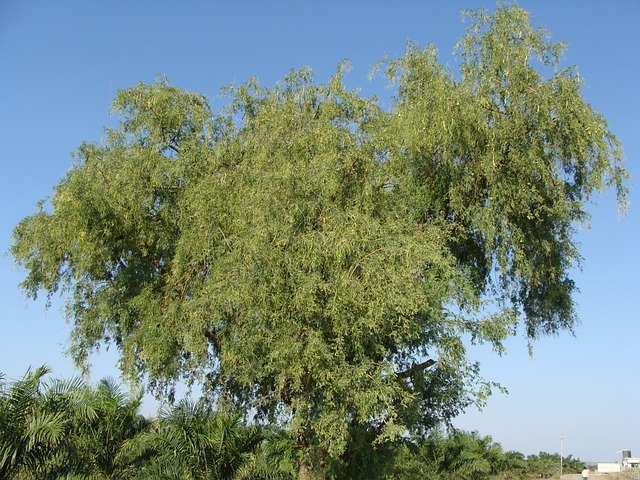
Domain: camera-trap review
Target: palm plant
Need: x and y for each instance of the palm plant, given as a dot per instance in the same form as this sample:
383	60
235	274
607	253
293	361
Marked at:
97	442
35	418
513	465
25	432
475	457
194	441
458	456
64	428
275	458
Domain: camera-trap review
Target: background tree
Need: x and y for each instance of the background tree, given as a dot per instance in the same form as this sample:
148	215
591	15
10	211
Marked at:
459	455
319	261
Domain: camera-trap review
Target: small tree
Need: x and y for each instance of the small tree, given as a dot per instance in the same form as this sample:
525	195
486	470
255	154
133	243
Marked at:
319	261
191	440
97	445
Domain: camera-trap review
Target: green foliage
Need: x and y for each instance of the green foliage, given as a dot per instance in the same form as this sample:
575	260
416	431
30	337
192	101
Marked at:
319	261
52	429
463	455
66	429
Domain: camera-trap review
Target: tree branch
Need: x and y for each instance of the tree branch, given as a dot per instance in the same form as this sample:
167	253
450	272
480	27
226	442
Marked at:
416	368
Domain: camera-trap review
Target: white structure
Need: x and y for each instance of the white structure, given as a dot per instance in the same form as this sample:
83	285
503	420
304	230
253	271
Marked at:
608	467
628	461
631	462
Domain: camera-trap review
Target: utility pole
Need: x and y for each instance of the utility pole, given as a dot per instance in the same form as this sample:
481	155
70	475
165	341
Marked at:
561	455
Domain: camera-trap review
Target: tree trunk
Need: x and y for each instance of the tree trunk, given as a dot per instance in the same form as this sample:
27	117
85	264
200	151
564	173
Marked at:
310	471
304	473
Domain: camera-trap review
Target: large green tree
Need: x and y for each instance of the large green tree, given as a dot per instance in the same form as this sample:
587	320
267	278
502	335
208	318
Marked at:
320	261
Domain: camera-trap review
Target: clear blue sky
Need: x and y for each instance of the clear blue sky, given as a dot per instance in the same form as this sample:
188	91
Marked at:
62	63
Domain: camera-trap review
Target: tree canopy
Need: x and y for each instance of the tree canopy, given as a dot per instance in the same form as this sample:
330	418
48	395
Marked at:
320	261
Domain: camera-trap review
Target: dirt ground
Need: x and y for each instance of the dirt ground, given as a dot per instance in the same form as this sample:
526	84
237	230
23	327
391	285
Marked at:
596	476
592	476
